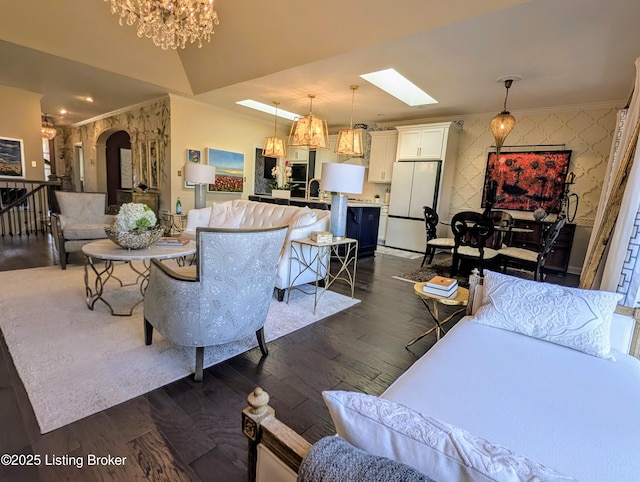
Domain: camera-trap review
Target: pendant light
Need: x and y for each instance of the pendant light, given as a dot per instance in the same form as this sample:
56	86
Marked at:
48	131
349	141
274	146
502	124
309	131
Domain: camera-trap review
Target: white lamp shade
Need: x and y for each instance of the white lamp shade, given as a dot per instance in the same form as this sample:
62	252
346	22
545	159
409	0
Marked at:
344	178
199	173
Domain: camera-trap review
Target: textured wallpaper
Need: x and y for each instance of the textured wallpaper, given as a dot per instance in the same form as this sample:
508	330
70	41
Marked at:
587	133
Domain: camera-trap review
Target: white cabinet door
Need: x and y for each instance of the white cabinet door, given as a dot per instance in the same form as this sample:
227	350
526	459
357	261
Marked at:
298	154
326	155
383	153
409	144
382	225
432	144
424	187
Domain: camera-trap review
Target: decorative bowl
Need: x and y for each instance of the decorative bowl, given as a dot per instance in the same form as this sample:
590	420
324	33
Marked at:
134	239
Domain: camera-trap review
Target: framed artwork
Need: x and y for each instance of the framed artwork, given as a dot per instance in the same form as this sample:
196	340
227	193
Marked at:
229	170
525	181
11	157
126	173
152	164
193	155
143	168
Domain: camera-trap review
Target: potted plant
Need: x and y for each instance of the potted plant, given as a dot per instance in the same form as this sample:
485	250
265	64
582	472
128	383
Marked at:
376	198
282	186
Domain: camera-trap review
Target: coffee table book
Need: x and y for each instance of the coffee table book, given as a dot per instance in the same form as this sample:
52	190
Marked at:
445	293
442	283
168	241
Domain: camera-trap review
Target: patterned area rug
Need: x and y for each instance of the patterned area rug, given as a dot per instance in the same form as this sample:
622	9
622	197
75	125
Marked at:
74	362
442	268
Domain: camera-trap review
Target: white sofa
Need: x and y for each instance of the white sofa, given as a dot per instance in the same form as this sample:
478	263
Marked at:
241	213
489	403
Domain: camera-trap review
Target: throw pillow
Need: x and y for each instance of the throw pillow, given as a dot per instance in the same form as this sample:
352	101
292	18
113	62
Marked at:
571	317
226	216
304	217
433	447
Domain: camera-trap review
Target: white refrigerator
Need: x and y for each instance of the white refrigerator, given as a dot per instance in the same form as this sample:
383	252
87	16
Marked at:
414	184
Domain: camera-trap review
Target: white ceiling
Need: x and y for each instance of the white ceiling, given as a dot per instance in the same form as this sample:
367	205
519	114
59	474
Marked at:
568	52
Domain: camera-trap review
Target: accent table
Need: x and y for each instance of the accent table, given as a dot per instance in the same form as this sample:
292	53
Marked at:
317	257
109	252
460	299
170	220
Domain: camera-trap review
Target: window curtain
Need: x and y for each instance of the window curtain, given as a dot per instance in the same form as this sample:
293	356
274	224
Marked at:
614	246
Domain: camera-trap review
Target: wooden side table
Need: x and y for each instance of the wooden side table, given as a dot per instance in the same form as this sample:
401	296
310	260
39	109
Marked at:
460	299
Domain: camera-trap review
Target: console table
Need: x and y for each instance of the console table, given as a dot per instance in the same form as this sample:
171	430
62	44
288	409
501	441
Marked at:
558	259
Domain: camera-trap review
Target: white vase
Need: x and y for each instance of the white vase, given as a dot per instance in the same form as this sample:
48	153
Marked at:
281	193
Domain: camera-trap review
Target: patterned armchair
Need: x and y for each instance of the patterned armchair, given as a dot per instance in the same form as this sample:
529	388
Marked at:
81	220
224	298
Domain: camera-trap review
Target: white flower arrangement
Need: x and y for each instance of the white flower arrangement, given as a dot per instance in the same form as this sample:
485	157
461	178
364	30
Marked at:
282	176
135	217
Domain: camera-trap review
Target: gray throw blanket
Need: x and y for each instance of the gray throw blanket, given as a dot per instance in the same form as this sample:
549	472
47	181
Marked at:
333	459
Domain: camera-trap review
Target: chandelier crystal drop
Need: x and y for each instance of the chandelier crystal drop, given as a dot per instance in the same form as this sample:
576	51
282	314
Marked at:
169	23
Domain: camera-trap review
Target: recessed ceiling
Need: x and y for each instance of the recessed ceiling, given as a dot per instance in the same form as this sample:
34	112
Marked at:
572	52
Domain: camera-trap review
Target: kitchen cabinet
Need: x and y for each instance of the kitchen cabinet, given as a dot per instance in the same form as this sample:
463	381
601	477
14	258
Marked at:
427	141
382	225
297	154
384	145
326	155
362	224
558	259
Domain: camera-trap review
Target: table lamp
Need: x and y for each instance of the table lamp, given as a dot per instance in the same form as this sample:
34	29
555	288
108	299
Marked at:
341	179
201	175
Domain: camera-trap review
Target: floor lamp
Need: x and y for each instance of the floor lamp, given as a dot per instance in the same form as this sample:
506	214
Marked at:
341	179
201	175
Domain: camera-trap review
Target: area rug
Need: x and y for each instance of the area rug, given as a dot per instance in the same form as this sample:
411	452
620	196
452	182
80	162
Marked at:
75	362
398	252
443	268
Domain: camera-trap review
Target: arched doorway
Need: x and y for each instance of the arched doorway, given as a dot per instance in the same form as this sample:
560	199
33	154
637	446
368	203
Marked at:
118	164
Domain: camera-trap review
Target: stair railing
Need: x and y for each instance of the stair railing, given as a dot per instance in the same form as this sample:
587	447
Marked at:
26	206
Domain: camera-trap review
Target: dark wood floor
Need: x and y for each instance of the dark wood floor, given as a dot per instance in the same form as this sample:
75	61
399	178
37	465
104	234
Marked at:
190	431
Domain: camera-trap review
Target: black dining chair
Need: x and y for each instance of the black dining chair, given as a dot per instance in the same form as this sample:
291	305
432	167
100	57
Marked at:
529	259
431	220
502	223
471	230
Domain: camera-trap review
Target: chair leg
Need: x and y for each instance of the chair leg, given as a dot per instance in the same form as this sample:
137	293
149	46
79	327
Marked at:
280	294
197	376
63	259
432	252
261	342
148	332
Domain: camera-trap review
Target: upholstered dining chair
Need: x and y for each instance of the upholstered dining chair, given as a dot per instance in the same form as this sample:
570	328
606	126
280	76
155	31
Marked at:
471	230
81	220
529	259
224	298
431	220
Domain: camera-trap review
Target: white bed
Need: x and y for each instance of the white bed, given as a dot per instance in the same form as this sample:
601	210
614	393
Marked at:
488	403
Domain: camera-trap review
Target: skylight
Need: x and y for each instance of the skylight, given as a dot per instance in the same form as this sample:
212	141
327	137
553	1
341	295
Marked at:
393	83
269	109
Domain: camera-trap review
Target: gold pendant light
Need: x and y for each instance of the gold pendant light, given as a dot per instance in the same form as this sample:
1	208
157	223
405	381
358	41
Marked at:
309	131
502	124
349	141
274	146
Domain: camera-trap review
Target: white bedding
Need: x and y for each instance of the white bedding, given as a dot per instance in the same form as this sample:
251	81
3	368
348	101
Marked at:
576	413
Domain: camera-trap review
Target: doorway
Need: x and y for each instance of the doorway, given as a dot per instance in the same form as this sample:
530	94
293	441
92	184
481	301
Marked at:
118	164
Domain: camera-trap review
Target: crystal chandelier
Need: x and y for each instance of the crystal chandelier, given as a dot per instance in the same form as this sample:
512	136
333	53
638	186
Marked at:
48	130
169	23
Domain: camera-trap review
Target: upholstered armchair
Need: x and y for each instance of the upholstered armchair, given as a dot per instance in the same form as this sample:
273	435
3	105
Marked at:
224	298
81	220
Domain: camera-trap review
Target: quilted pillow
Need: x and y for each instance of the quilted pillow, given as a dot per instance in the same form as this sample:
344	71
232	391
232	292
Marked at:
435	448
226	216
576	318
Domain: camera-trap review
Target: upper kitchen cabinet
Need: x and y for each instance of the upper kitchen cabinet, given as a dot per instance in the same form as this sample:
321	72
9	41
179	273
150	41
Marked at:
384	145
298	154
427	141
326	155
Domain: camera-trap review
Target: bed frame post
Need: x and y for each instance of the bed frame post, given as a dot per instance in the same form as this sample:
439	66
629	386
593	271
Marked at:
260	426
474	281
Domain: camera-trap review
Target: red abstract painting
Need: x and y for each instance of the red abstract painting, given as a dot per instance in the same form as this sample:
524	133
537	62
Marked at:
526	181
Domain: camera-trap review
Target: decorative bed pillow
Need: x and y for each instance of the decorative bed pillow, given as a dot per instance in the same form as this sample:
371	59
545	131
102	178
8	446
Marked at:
226	216
435	448
576	318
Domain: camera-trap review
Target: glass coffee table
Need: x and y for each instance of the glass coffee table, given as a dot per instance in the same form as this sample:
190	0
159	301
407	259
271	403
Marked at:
101	258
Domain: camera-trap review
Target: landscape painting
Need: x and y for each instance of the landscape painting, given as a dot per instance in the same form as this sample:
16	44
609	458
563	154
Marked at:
527	181
229	170
11	157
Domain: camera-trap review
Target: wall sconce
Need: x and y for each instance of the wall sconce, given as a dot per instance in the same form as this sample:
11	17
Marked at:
274	146
201	175
309	131
349	141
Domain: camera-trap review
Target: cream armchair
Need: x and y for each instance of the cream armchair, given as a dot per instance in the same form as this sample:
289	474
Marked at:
82	219
224	298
